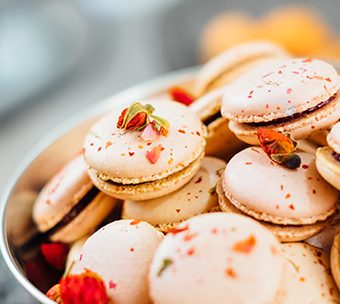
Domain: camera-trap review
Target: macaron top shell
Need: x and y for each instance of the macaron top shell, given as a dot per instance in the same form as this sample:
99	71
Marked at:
232	58
61	193
333	138
120	253
121	155
194	198
307	276
279	88
217	258
259	184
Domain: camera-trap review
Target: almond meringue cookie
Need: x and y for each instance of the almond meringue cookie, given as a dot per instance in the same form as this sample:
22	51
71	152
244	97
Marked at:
328	158
335	259
307	276
269	192
121	253
298	96
196	197
118	159
217	258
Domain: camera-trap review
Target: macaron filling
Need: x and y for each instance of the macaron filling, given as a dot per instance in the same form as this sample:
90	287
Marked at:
212	118
336	156
294	116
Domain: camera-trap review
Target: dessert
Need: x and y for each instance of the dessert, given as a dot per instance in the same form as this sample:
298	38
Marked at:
130	156
196	197
70	206
335	259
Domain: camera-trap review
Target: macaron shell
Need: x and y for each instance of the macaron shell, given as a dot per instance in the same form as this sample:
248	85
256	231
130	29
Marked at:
284	233
148	190
233	61
194	198
121	156
300	128
279	88
307	277
203	264
121	253
333	138
335	259
270	192
328	167
61	193
86	221
74	254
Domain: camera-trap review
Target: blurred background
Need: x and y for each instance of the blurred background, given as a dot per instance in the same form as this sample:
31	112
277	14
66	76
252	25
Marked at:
57	57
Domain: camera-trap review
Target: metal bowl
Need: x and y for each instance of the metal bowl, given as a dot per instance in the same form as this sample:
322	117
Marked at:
40	164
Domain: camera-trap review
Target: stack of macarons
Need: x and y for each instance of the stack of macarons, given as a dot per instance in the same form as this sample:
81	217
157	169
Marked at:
209	213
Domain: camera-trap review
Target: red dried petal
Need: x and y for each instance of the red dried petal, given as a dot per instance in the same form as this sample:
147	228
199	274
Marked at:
181	95
154	154
178	229
54	293
246	245
121	119
55	254
150	133
136	122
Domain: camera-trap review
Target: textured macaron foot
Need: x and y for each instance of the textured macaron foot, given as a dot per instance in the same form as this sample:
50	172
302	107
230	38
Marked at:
145	150
335	259
217	258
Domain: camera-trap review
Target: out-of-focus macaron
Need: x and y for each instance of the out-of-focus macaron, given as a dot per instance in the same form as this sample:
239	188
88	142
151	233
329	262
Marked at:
335	259
328	158
269	192
307	276
121	253
299	96
128	160
196	197
217	258
70	206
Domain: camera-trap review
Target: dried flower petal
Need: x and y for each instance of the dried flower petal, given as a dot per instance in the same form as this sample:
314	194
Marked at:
167	262
55	254
154	154
246	245
161	125
181	95
150	133
279	147
54	293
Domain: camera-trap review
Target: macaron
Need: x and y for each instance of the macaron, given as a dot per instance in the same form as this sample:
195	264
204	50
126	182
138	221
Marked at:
74	254
335	259
121	253
307	276
328	158
69	206
297	199
145	150
297	96
217	258
196	197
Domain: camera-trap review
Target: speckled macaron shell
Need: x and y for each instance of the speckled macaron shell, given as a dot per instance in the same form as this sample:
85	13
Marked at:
333	138
74	254
279	88
328	167
284	233
121	156
335	259
270	192
61	193
307	276
300	128
217	258
121	253
196	197
231	63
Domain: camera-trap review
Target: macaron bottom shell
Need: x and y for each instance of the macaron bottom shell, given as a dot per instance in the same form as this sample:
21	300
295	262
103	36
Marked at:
285	233
147	190
328	167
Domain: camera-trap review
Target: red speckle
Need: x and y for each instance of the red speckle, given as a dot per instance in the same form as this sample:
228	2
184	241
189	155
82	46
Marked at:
131	153
328	79
273	250
289	90
181	95
154	154
296	72
112	285
250	94
267	106
108	144
277	207
135	222
281	187
91	144
181	131
198	133
248	163
287	196
99	149
80	257
280	72
308	60
132	249
83	151
149	143
305	166
245	245
278	108
178	210
178	229
198	180
230	272
191	251
291	207
189	236
214	230
312	127
289	101
257	151
314	191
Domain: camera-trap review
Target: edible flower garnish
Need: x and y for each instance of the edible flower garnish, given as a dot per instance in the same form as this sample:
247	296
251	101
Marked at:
154	154
180	95
246	245
138	117
85	288
279	147
55	254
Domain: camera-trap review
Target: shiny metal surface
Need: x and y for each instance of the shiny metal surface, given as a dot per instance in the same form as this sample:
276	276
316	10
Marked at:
43	161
